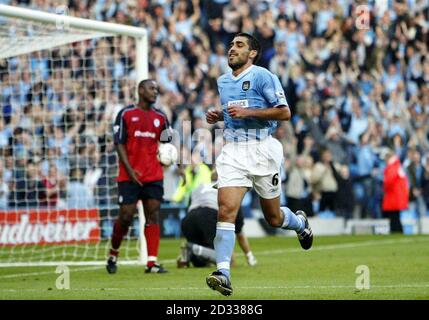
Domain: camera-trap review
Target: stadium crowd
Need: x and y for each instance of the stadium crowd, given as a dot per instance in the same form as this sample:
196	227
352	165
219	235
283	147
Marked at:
355	90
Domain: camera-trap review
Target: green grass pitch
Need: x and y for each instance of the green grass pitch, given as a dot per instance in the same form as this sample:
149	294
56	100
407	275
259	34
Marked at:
398	269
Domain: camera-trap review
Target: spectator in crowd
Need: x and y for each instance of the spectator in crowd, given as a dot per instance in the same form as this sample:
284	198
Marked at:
4	188
364	180
344	199
54	184
280	63
93	172
358	122
181	21
398	146
79	195
337	144
324	183
340	81
106	184
27	189
4	135
396	191
415	174
298	185
425	183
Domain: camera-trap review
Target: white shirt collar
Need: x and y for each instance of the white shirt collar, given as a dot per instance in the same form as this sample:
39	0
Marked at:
242	74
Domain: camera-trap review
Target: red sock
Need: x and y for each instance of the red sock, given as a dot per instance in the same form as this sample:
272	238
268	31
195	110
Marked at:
152	234
117	236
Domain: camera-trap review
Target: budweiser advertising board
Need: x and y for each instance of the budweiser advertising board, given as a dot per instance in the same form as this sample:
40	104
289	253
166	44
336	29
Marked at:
41	226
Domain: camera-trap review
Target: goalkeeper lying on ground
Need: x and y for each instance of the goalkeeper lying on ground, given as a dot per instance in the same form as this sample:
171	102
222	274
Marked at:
199	229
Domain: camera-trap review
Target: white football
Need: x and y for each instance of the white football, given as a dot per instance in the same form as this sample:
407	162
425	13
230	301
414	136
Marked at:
167	154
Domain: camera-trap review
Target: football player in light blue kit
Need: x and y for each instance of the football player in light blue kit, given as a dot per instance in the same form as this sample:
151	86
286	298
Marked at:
253	101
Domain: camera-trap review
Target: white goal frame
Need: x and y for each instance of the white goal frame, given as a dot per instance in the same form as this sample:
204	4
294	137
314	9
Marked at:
142	71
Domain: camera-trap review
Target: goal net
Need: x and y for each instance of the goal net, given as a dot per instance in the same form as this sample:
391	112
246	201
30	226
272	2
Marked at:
62	82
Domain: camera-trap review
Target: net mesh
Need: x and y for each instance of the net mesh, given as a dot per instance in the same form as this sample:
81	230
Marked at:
61	89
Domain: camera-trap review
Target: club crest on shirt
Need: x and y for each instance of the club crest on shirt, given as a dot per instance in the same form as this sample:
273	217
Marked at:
156	123
135	119
246	85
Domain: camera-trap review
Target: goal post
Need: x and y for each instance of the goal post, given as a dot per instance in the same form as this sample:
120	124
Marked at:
62	81
85	25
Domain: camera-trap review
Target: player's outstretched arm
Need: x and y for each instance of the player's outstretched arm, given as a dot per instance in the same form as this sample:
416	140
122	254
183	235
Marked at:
280	113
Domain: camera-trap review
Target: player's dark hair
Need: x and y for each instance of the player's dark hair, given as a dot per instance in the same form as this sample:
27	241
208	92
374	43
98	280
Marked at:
253	44
143	82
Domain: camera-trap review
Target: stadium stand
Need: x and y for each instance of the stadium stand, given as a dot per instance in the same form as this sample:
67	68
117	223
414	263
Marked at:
354	92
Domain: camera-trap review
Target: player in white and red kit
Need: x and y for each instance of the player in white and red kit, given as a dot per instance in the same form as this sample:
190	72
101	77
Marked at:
138	130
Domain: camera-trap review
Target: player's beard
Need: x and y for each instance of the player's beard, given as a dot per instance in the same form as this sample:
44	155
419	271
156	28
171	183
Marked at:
237	64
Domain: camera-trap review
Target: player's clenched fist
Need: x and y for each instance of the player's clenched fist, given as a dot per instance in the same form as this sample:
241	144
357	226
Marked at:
213	116
238	112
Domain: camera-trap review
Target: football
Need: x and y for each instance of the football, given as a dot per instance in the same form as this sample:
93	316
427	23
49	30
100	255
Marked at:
167	154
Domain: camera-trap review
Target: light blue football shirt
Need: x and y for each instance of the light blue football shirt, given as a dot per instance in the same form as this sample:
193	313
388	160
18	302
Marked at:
255	87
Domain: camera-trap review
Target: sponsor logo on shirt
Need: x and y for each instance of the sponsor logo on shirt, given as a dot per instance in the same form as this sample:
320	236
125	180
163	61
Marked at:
135	119
239	103
145	134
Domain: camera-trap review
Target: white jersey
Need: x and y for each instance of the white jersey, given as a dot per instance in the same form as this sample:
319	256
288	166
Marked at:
204	196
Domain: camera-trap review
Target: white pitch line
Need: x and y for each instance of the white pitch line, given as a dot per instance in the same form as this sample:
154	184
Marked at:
393	286
344	245
347	245
29	274
258	253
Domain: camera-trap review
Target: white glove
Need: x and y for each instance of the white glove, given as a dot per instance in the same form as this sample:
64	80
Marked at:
251	260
